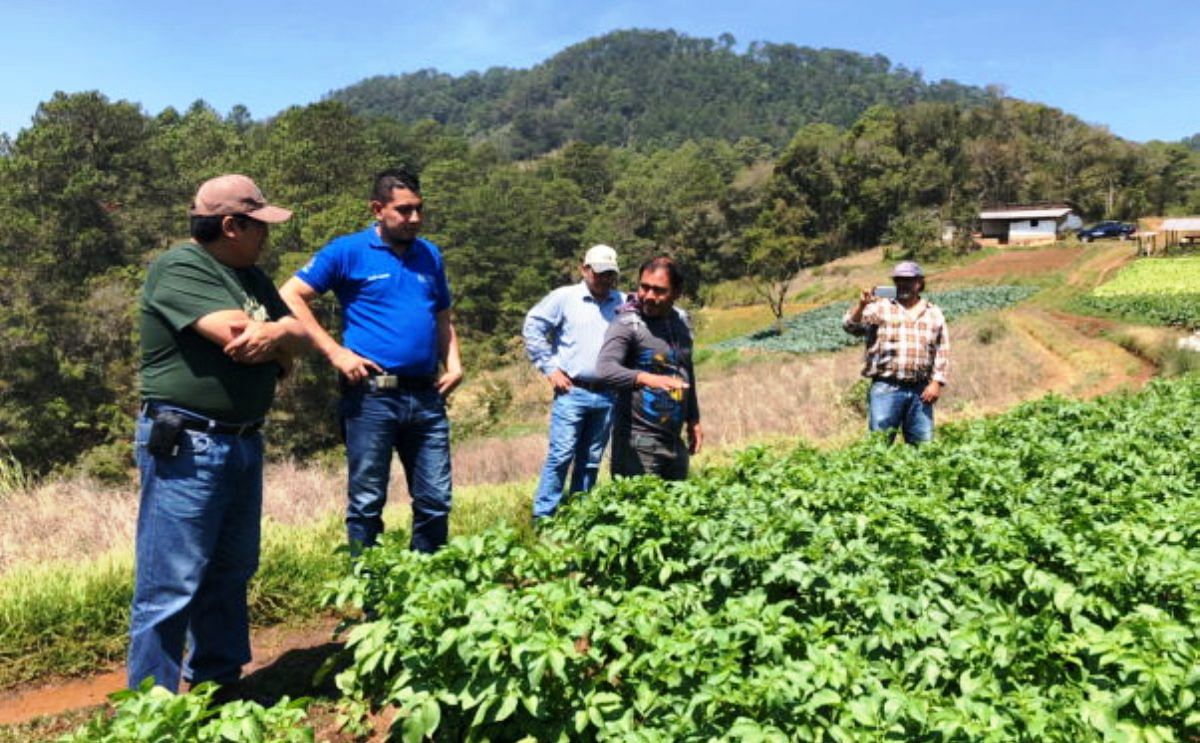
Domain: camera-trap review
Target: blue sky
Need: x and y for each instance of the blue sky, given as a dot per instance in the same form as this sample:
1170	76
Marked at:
1130	66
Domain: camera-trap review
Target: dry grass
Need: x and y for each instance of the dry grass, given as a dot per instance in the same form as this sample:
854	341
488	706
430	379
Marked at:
77	518
801	397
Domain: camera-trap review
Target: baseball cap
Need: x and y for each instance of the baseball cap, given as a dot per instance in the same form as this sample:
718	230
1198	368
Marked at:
907	270
601	258
235	194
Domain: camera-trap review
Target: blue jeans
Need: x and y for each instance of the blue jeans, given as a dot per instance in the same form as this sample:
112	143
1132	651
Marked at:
197	547
899	406
580	421
413	423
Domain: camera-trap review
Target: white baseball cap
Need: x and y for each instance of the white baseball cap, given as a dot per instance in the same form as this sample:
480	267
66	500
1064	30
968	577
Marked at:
601	259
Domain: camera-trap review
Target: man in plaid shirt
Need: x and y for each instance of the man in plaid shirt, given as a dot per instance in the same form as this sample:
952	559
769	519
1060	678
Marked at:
907	357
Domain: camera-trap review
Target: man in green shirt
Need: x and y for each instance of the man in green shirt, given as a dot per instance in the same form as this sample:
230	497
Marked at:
215	337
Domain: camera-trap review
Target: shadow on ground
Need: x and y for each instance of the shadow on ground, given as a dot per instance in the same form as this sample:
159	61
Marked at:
294	674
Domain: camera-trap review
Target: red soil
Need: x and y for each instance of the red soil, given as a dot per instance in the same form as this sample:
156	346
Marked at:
285	660
1015	263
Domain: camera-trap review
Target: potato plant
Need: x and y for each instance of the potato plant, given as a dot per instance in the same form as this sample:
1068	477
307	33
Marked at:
154	715
1034	576
821	329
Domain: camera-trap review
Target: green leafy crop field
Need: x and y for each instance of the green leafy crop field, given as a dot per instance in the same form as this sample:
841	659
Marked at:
821	329
1155	291
1155	276
1034	576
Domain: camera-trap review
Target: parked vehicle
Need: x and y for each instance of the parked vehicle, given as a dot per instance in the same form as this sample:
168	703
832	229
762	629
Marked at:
1121	230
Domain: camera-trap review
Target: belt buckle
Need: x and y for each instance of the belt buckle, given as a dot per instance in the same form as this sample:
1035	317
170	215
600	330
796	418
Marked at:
386	381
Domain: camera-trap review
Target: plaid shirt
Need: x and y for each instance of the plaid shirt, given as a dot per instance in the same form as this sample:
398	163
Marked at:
901	346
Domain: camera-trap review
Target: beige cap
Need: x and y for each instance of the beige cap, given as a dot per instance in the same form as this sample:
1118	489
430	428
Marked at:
235	194
601	258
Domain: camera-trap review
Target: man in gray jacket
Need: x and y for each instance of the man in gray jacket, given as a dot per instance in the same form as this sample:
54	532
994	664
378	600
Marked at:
647	356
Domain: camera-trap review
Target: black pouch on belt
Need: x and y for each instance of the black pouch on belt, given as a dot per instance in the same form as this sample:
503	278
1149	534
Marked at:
165	430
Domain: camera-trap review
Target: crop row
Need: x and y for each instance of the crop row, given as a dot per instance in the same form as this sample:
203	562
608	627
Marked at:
1176	310
1154	276
821	329
1035	577
1153	291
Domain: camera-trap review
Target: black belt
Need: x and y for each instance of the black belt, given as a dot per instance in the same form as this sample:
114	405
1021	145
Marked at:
196	422
590	386
385	382
903	382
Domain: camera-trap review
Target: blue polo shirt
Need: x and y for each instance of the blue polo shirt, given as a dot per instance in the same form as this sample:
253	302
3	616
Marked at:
389	302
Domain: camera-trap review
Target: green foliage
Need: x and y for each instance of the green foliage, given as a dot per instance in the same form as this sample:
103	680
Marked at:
1155	291
1154	276
916	234
821	329
66	619
480	414
63	619
979	587
652	89
109	463
151	714
1179	310
855	397
13	477
990	329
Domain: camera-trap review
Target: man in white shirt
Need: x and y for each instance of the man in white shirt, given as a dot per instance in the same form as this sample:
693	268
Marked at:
563	334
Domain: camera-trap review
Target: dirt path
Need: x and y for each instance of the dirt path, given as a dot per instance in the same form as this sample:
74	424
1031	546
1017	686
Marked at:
1099	268
285	659
1079	360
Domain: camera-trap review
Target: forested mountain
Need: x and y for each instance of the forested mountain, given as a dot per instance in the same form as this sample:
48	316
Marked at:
94	189
653	88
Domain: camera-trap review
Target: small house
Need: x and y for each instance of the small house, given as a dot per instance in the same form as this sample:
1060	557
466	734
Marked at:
1028	224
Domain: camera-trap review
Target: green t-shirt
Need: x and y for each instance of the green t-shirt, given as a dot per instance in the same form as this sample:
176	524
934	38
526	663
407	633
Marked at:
180	366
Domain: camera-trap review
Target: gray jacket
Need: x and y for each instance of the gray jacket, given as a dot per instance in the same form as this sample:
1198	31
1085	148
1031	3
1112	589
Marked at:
635	343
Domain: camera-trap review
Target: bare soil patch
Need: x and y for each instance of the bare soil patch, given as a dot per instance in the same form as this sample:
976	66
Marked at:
1014	264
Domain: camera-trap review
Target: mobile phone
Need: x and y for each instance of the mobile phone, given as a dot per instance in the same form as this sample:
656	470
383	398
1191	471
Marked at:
884	292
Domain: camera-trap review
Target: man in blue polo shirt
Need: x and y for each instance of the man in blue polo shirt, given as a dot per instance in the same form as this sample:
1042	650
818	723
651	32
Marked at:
396	330
563	334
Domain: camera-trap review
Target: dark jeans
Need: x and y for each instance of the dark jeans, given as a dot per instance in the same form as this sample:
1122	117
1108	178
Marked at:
197	547
412	423
642	454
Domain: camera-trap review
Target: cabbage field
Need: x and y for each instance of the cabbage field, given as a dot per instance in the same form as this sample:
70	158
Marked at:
821	329
1032	577
1154	291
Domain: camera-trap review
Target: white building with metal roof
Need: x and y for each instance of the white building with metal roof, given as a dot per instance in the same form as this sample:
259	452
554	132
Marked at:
1028	224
